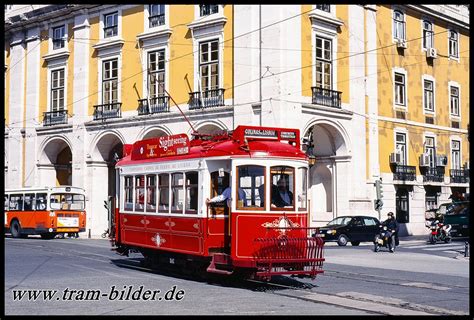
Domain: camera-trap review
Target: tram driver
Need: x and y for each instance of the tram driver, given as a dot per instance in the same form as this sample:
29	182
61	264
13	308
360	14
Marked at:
226	194
281	195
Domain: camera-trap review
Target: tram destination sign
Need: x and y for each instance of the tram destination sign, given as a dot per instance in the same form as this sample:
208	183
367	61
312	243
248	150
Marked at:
260	133
161	147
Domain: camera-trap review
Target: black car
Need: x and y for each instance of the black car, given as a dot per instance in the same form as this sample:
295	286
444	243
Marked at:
353	229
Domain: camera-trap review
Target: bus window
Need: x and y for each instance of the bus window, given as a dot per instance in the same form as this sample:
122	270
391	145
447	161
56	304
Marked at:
41	201
302	189
151	193
128	198
164	193
139	193
191	192
29	201
250	187
177	193
6	202
78	202
282	188
16	202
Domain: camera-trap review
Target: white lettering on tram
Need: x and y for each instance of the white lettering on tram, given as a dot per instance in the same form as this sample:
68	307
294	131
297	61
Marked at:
161	167
166	142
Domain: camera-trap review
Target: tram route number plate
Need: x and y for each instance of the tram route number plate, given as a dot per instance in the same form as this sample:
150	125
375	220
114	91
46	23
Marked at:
68	222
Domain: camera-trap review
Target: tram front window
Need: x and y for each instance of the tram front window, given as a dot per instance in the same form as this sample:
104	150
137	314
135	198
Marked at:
283	187
251	180
303	189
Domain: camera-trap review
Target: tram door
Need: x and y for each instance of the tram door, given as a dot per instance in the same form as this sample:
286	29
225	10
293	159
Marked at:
218	218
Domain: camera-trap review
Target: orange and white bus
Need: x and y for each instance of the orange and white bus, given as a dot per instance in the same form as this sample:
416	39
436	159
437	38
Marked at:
44	211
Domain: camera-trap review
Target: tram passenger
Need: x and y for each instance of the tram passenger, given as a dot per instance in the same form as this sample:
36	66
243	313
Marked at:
226	195
281	195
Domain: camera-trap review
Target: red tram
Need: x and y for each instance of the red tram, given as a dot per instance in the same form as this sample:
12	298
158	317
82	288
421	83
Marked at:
259	229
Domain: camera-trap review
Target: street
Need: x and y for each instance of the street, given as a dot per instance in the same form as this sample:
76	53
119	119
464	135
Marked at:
418	279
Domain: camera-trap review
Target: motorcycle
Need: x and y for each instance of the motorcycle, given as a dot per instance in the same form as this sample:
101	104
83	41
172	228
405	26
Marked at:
439	232
385	238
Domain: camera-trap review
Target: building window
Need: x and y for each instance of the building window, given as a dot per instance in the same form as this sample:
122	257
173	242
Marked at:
400	89
398	25
209	65
454	100
402	206
431	199
110	25
401	146
110	81
58	37
453	44
427	35
323	63
57	90
156	73
207	9
430	150
324	7
428	89
456	154
156	15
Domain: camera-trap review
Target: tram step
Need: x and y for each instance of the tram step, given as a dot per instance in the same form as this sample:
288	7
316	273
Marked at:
219	262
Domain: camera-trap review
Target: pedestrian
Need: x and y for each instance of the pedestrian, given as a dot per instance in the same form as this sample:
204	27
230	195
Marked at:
392	224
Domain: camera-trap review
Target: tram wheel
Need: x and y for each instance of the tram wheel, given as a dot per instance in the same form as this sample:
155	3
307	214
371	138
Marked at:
15	229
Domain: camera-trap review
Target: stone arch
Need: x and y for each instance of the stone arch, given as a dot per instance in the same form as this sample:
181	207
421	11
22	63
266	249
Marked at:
104	144
209	127
55	161
153	132
332	151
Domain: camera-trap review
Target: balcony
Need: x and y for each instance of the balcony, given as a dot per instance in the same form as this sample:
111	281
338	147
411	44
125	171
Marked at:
459	175
53	118
326	97
208	99
404	173
157	20
107	111
157	105
433	174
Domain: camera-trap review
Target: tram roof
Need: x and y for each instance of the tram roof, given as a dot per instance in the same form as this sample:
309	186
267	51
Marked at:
239	144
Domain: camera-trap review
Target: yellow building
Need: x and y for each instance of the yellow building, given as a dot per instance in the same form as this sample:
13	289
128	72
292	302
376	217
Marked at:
361	81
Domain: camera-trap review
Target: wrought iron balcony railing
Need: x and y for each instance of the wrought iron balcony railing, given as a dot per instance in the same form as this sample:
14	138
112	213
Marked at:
108	111
54	117
209	98
459	175
157	105
110	31
405	173
326	97
157	20
433	174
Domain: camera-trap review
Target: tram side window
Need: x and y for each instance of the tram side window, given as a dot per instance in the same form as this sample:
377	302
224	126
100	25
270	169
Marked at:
29	202
128	197
6	202
191	192
303	189
151	193
251	180
16	202
283	187
41	201
139	193
164	193
177	193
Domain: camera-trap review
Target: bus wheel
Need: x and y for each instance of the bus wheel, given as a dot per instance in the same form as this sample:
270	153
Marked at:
48	235
15	229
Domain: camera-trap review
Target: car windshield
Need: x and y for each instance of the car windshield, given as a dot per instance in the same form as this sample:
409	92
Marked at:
340	221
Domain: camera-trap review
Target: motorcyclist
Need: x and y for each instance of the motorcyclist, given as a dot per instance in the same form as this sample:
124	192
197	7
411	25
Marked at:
392	226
